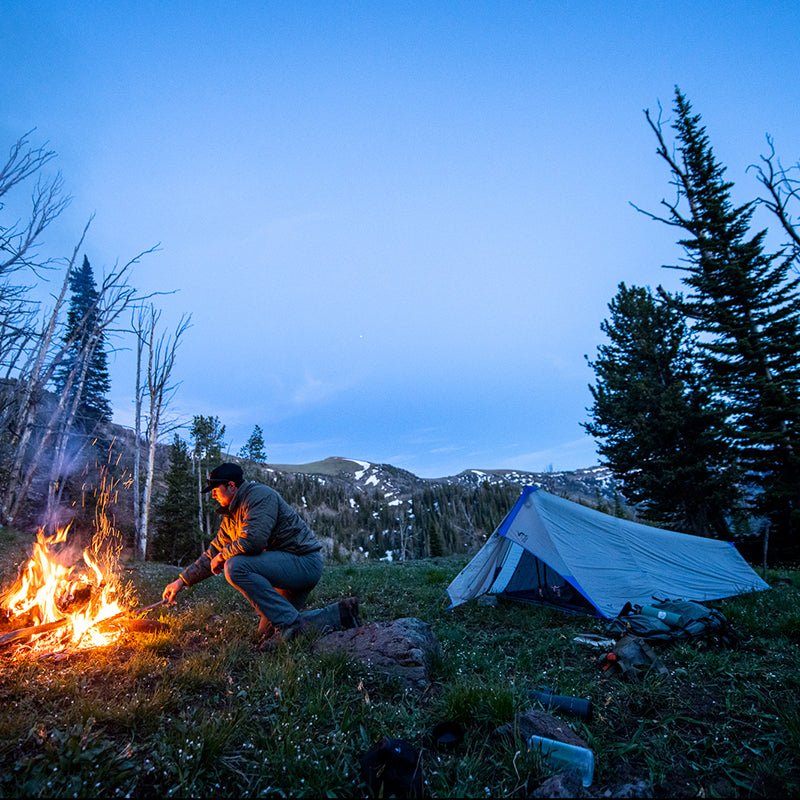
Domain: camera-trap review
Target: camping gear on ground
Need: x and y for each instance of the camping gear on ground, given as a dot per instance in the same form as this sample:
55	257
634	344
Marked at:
552	551
671	620
570	705
565	757
392	768
667	617
631	656
593	640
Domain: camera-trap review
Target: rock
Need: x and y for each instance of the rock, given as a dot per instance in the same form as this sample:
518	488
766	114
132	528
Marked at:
561	785
539	723
638	789
404	648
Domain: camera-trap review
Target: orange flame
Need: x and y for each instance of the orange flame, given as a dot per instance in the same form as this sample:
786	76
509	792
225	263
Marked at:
78	598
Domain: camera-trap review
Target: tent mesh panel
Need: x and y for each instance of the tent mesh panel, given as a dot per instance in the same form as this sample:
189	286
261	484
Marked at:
550	588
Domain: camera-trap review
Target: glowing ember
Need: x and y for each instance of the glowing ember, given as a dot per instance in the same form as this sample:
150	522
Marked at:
68	602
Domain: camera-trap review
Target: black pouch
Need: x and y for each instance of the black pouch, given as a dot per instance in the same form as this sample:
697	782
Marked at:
393	768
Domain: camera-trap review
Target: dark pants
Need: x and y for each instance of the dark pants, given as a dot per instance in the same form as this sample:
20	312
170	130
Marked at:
258	577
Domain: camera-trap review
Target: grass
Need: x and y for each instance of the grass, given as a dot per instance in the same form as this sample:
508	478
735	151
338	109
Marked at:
195	712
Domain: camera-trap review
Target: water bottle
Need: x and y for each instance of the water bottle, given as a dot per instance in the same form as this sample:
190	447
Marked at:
667	617
571	705
565	757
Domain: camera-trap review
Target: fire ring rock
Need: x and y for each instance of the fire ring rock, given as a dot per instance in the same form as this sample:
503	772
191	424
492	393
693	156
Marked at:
404	648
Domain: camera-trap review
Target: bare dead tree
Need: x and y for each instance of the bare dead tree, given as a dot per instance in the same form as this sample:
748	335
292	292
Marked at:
139	327
196	463
18	323
161	350
404	530
29	350
783	191
114	296
19	241
27	393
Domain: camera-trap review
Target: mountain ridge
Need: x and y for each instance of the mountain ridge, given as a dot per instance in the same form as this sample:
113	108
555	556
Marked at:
363	509
582	485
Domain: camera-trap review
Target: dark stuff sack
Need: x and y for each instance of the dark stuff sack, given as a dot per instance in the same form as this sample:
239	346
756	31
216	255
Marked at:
392	769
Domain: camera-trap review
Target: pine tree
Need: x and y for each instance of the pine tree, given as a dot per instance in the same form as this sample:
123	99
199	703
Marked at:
253	448
658	429
176	536
82	319
208	435
745	307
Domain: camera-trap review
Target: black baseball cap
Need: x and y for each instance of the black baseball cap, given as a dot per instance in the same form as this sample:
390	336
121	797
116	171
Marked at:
222	474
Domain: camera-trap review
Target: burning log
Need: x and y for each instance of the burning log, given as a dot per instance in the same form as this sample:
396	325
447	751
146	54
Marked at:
134	625
49	594
25	634
122	622
76	598
65	605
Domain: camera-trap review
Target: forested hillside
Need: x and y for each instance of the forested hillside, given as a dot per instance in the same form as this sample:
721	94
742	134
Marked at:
377	511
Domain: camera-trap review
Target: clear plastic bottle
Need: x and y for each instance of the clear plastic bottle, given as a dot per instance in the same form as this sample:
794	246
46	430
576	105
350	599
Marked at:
565	757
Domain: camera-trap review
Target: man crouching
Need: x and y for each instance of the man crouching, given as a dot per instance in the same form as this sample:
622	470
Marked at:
270	555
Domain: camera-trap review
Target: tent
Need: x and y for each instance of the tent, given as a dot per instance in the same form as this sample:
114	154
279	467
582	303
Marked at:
552	551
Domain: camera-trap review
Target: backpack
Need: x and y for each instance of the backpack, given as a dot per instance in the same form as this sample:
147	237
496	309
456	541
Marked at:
632	656
672	620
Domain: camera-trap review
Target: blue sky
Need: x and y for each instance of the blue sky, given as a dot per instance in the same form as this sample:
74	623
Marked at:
397	225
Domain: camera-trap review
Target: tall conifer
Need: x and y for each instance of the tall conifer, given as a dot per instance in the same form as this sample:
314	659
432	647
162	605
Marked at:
82	320
745	306
658	429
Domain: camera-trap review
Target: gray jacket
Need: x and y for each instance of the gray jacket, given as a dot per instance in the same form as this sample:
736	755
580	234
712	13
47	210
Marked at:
257	519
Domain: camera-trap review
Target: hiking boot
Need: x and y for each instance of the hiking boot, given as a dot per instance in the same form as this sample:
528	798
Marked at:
265	627
278	636
348	613
272	642
297	628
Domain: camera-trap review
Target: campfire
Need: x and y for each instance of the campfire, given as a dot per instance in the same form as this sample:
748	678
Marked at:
61	603
61	606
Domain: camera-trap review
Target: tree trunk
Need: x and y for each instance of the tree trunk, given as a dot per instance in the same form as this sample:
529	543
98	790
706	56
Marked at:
138	329
160	361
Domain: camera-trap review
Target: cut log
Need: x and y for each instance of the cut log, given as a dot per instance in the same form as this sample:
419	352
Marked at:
121	620
133	625
23	634
144	625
